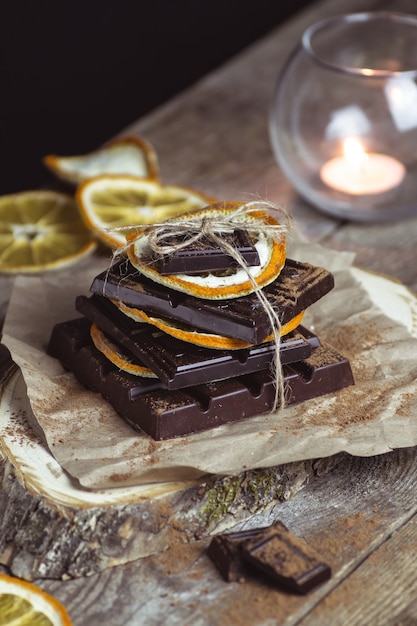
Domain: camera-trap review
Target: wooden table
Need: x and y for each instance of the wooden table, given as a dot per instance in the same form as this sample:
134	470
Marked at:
362	516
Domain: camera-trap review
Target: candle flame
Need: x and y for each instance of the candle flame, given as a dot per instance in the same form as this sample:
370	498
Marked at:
354	152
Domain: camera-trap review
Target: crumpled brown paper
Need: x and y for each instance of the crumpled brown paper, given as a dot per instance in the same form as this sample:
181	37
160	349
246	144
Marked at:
91	442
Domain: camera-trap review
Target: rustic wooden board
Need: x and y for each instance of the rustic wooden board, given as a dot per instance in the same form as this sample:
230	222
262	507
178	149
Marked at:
346	516
382	590
362	515
51	527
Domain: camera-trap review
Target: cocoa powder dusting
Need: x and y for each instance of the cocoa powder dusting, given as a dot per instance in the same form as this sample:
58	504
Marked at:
252	602
343	538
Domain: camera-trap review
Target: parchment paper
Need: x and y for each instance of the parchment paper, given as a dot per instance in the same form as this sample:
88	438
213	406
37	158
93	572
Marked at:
94	445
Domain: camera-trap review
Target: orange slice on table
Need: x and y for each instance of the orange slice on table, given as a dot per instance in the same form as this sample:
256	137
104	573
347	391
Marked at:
116	356
40	231
126	155
113	206
24	604
218	285
199	338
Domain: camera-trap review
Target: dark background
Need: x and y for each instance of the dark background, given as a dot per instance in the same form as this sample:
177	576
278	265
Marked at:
73	74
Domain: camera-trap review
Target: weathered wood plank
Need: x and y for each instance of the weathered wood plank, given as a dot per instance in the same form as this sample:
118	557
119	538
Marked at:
54	528
386	248
345	516
382	590
41	538
214	137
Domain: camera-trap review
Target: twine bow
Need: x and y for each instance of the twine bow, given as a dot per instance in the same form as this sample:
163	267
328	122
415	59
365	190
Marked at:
191	229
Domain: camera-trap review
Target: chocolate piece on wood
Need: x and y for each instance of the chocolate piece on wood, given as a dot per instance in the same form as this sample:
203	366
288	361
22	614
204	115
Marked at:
225	552
297	287
205	256
147	405
179	364
286	558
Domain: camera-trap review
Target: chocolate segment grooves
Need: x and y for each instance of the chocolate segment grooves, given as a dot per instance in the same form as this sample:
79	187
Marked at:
275	551
287	559
180	364
298	286
146	404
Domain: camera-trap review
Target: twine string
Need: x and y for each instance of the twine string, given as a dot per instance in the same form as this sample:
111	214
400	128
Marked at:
276	370
190	229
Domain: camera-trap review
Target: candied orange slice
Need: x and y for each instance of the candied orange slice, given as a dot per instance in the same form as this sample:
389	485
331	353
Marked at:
40	231
24	604
218	285
113	206
116	356
126	155
199	338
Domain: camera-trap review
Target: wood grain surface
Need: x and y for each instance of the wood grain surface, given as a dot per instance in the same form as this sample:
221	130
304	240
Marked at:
347	517
361	517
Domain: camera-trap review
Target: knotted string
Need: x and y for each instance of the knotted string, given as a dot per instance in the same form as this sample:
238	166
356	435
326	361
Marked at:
191	228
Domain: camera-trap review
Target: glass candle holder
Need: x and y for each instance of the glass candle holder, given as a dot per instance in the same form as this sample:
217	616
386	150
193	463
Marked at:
343	121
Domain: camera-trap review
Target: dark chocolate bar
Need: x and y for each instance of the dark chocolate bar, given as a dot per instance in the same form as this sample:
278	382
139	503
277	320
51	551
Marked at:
297	287
205	256
147	405
180	364
286	558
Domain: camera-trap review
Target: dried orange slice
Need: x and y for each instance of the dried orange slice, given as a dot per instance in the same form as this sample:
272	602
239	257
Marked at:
218	285
24	604
109	203
41	230
116	356
127	155
199	338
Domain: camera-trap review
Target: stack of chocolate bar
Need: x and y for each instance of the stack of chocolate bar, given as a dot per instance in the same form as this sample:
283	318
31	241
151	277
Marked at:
162	373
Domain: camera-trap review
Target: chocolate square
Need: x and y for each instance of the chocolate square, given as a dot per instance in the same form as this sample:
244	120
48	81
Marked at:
297	287
205	256
286	558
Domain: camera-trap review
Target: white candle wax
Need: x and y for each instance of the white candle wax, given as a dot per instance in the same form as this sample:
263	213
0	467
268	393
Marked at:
359	173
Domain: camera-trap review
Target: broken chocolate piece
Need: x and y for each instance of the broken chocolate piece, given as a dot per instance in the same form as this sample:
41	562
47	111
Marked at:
182	365
286	558
146	404
297	287
224	551
275	551
205	256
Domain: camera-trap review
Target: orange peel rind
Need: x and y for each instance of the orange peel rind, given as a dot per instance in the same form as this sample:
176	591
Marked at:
113	206
116	356
217	285
25	603
187	334
126	155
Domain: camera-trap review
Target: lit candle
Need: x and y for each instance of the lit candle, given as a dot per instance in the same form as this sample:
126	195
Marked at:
359	173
